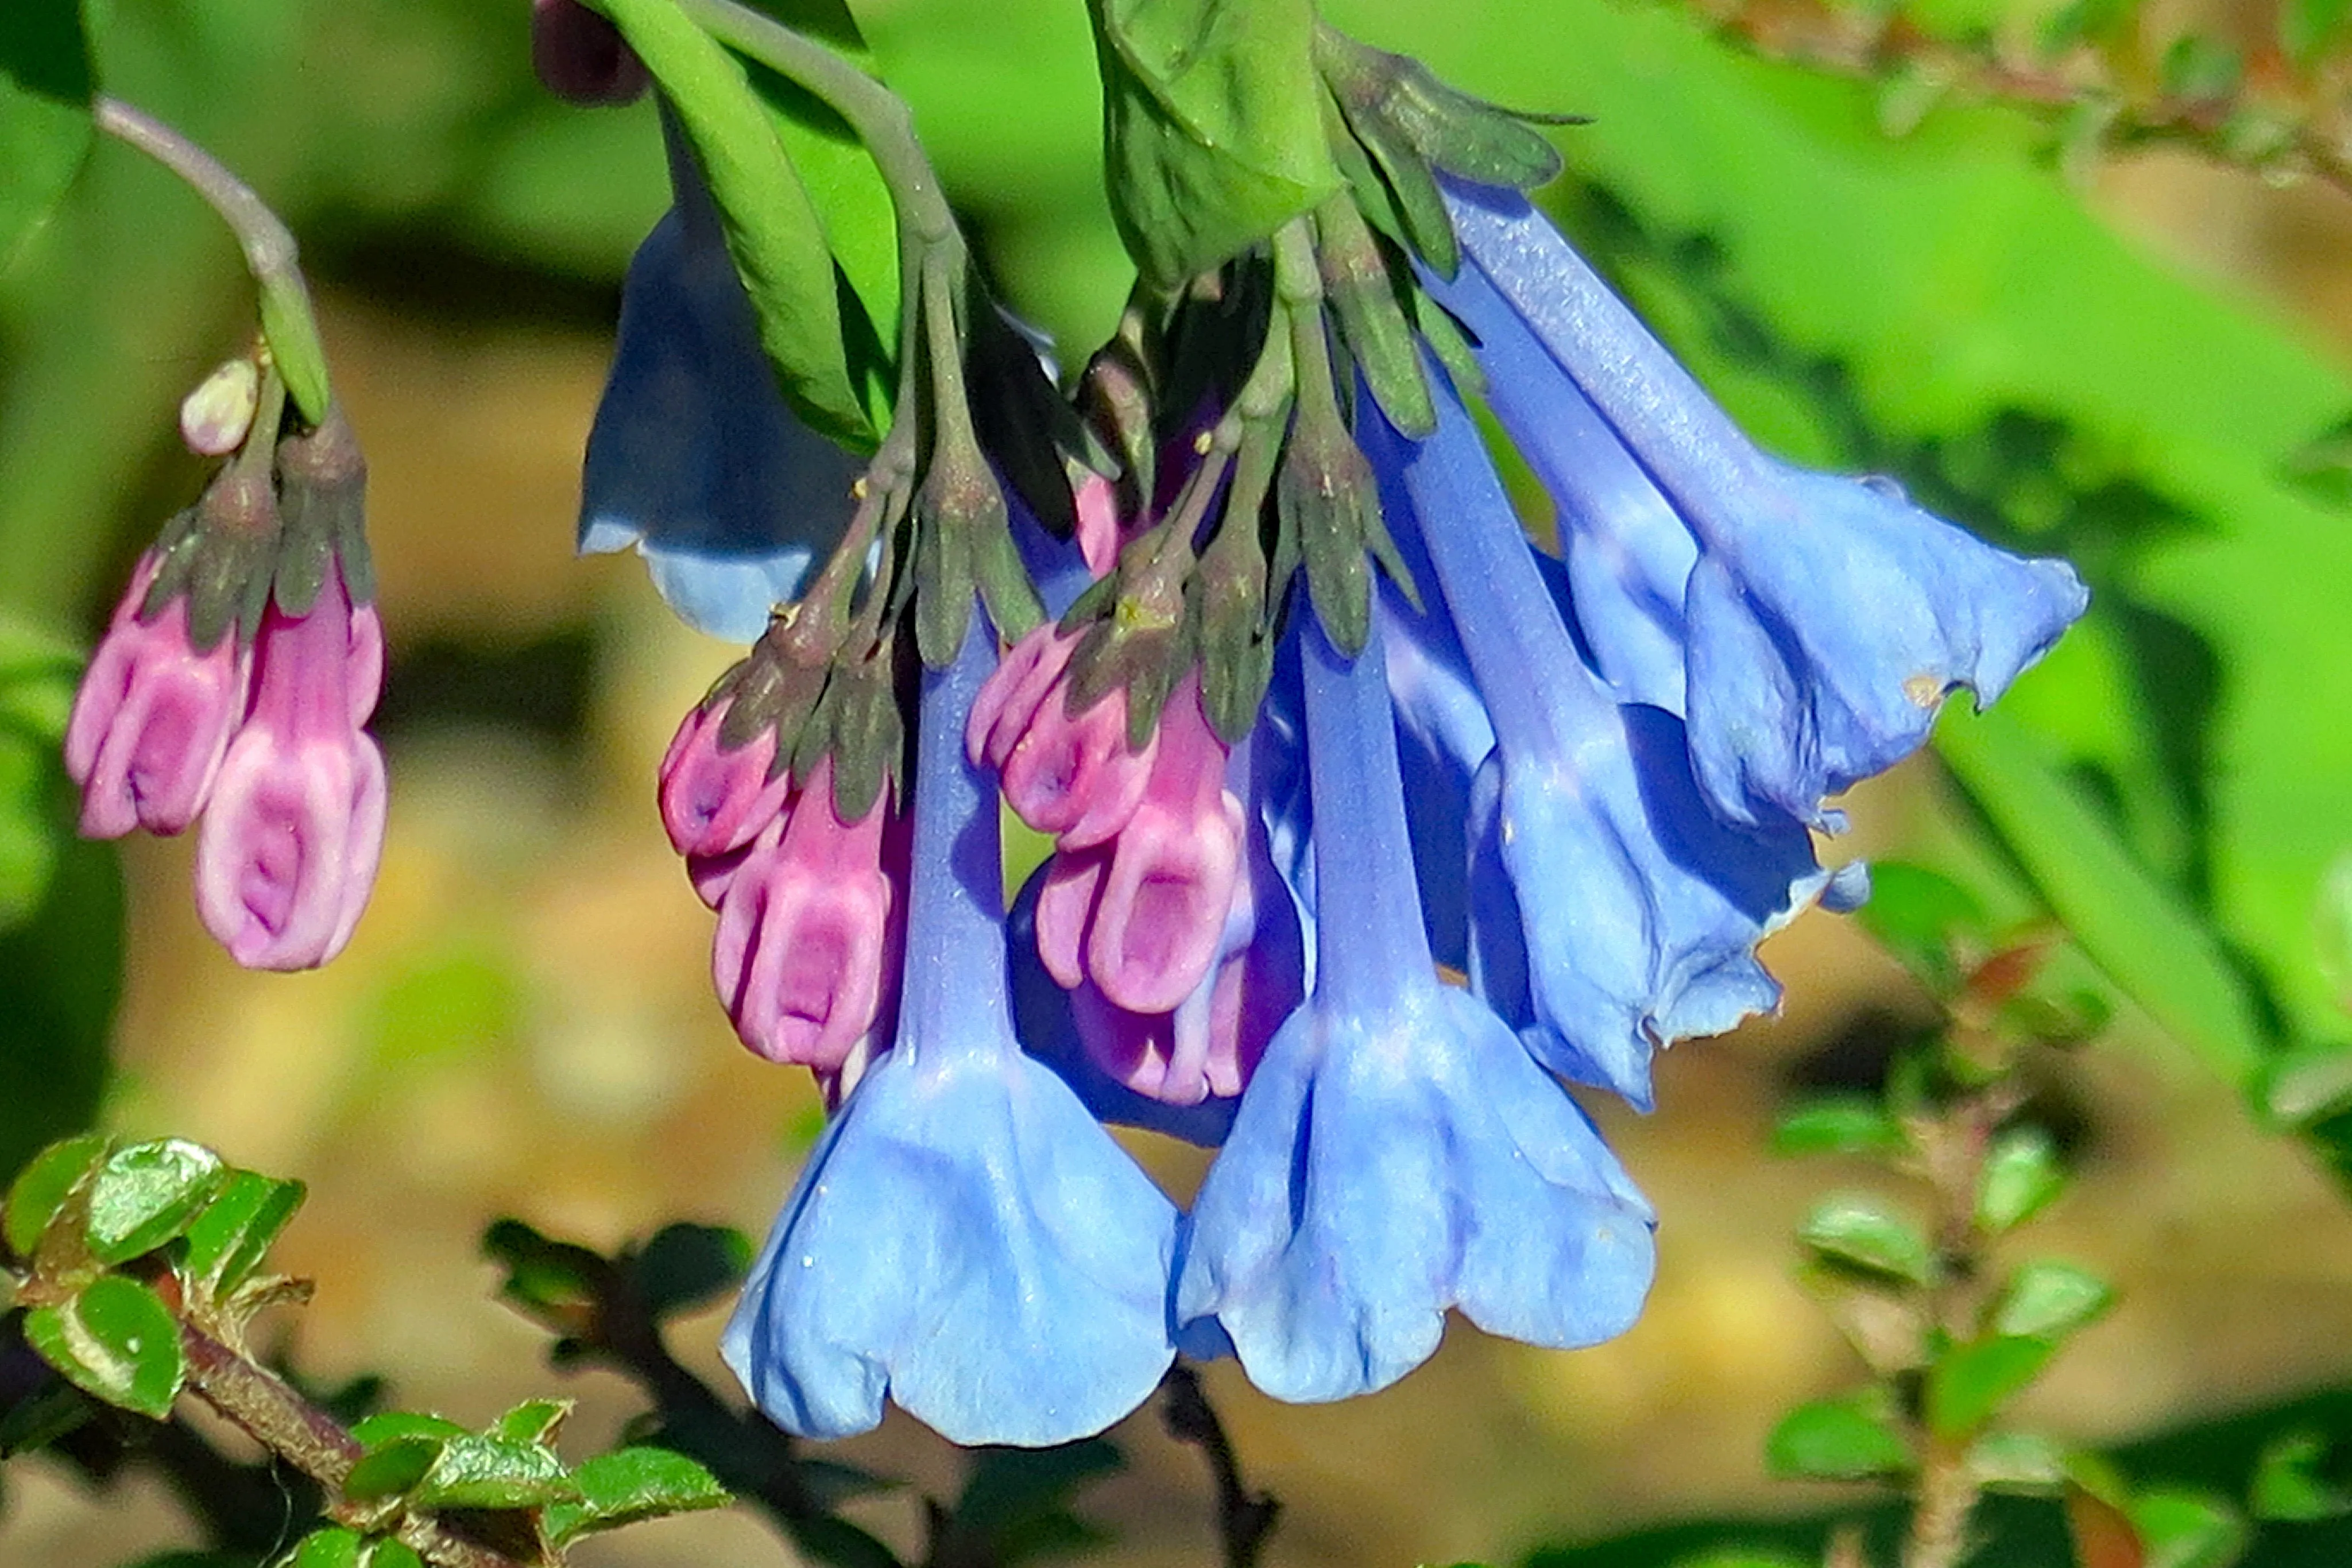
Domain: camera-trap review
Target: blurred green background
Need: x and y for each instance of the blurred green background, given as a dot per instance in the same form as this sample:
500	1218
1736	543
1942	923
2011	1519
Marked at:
2139	364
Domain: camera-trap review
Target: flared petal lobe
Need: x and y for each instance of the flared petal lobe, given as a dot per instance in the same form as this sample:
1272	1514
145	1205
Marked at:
1826	617
966	1239
1397	1153
695	458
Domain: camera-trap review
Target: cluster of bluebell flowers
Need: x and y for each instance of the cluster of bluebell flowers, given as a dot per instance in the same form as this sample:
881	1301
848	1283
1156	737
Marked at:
1528	833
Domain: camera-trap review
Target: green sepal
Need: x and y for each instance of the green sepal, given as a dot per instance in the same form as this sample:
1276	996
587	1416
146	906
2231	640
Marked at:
772	229
1851	1437
1329	504
40	1190
1144	629
227	1241
322	513
1863	1233
632	1484
143	1195
1458	134
1413	195
1449	342
1361	291
1114	394
115	1340
859	725
221	556
1231	588
1211	126
292	334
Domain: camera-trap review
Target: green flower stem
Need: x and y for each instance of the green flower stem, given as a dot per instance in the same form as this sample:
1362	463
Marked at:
269	1410
288	321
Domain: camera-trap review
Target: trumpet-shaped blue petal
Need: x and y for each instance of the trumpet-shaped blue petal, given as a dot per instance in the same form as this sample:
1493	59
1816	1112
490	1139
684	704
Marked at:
966	1239
1826	618
1632	913
1397	1153
695	458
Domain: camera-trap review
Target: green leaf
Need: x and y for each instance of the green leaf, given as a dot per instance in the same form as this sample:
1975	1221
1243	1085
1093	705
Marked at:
1838	1124
2021	1177
45	125
556	1282
532	1421
2131	927
2018	1463
387	1552
685	1266
478	1470
2307	1082
2287	1484
229	1240
1212	126
1852	1438
42	1187
1968	1382
630	1484
1916	913
2184	1529
2307	27
144	1195
1864	1233
117	1341
393	1464
388	1427
38	672
772	229
2050	1300
332	1546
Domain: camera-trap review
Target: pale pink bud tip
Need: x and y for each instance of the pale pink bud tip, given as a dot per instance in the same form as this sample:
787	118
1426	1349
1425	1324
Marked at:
1074	777
151	719
294	831
215	417
803	954
715	800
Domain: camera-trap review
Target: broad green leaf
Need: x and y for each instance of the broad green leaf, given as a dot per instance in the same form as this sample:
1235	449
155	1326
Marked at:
532	1421
1852	1438
229	1240
1838	1124
42	1187
2185	1529
1865	1233
2020	1177
685	1266
392	1466
772	229
1968	1382
630	1484
115	1340
2131	927
480	1470
1213	124
2049	1301
143	1195
45	125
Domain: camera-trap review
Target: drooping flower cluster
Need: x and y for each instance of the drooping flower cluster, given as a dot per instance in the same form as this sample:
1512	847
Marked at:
1583	785
234	683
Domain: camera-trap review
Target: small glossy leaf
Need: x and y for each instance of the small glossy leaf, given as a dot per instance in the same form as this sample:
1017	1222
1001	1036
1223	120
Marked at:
2050	1300
477	1471
333	1547
393	1467
1864	1233
1848	1439
532	1421
146	1194
1838	1124
2287	1484
45	121
116	1342
556	1282
386	1426
41	1189
2020	1175
2018	1463
685	1266
1968	1382
2183	1528
229	1240
631	1484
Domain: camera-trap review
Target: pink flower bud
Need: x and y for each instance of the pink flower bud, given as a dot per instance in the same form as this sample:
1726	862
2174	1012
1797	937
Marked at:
713	800
1074	777
804	954
1153	903
290	841
1098	524
152	718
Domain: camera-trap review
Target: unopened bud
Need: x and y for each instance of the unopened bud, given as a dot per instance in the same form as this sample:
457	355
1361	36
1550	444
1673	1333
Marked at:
214	418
